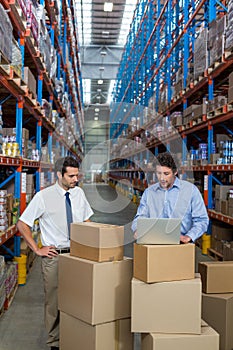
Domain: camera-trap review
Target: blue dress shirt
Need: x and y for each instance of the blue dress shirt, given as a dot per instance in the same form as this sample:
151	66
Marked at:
183	200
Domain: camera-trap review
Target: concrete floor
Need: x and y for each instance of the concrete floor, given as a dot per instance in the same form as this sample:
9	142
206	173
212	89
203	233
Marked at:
22	326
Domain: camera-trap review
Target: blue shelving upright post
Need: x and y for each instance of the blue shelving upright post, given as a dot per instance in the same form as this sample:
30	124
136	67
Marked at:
39	128
17	192
157	55
168	38
186	44
21	42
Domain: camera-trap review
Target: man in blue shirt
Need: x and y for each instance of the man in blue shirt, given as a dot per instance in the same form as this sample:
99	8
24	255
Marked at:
173	198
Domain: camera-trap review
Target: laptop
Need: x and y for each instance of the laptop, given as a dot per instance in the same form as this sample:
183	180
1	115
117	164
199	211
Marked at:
158	231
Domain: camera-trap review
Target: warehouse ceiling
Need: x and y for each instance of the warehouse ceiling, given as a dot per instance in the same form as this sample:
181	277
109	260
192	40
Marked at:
103	31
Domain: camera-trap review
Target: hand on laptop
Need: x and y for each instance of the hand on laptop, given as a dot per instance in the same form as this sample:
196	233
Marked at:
185	239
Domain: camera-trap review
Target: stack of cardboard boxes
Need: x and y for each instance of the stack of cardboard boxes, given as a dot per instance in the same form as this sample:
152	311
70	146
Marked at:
217	299
95	290
222	240
222	202
166	299
200	54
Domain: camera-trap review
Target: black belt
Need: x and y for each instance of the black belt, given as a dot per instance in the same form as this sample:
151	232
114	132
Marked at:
63	250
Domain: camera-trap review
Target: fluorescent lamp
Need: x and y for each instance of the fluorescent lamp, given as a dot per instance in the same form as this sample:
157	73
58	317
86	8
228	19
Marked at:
105	34
108	6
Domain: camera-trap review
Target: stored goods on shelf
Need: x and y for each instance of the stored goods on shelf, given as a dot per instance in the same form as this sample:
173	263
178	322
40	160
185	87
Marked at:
6	34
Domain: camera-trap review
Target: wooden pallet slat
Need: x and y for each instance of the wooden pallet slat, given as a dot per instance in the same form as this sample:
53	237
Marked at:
214	254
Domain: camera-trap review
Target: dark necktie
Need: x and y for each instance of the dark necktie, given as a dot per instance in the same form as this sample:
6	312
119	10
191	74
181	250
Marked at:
68	211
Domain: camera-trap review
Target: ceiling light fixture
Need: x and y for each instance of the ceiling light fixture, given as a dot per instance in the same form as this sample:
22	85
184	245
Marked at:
97	109
108	6
100	81
96	118
105	34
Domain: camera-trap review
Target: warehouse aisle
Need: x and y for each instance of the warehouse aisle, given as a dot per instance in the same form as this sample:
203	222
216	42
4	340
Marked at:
22	326
111	207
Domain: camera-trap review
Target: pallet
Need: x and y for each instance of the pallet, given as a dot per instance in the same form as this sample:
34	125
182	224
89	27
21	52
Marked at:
228	54
200	78
3	59
214	254
10	298
196	121
230	106
218	111
198	243
215	65
11	71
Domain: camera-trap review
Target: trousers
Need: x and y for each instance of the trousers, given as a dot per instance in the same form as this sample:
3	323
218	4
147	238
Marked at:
51	312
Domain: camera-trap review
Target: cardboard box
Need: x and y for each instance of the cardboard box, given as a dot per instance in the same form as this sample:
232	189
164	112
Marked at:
207	340
166	307
230	94
221	191
96	241
224	207
216	276
230	211
30	81
221	138
217	311
75	334
9	201
160	263
220	232
214	158
94	292
227	251
230	202
218	207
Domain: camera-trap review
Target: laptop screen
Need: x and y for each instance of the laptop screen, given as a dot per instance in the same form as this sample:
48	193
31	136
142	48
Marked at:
158	230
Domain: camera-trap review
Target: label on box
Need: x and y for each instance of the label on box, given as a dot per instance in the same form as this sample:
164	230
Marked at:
23	182
41	179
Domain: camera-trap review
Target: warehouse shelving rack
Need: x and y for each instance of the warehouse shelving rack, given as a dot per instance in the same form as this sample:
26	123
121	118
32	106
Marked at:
24	109
169	43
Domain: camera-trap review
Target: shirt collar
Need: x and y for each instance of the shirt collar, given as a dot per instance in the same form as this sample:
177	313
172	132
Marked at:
61	190
175	184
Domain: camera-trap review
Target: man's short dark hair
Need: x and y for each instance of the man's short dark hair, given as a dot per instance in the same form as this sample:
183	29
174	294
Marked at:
62	164
168	160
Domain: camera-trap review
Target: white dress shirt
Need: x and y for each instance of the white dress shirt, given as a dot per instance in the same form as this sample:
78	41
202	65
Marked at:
48	206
